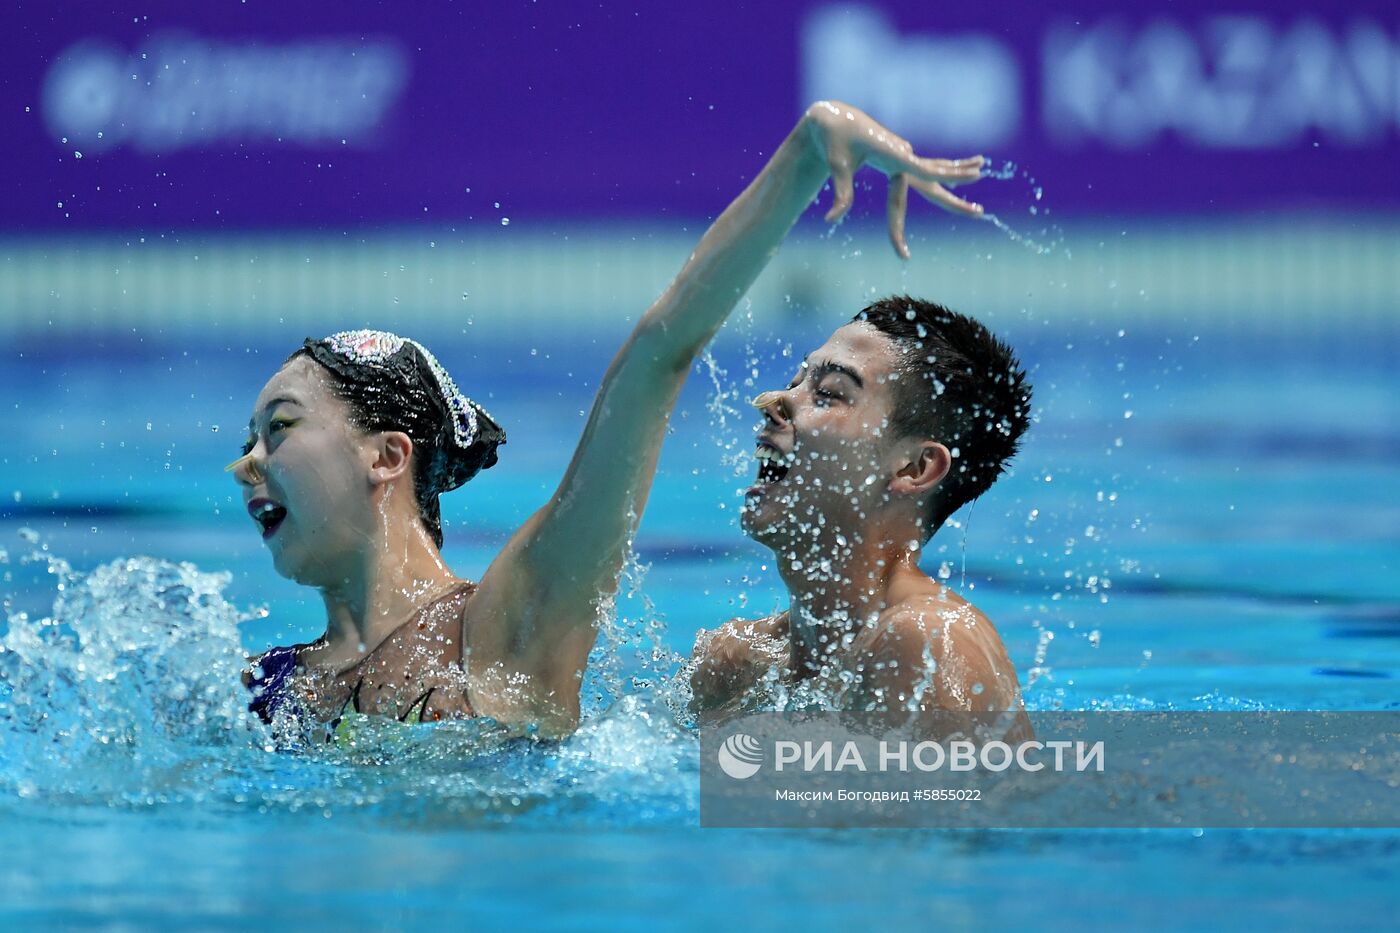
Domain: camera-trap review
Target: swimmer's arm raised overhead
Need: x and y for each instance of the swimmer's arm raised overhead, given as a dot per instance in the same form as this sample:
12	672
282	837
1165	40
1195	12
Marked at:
536	608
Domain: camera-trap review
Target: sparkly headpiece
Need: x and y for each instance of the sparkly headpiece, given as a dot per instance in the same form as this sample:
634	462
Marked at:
474	435
377	347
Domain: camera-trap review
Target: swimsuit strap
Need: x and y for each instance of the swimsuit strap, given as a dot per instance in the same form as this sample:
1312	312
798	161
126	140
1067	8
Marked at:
413	616
273	669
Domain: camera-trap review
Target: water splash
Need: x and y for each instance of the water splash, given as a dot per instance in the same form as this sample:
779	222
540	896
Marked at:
1038	246
1049	239
136	666
125	692
630	656
723	406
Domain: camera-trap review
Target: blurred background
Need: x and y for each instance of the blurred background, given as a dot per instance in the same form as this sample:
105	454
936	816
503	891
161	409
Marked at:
233	165
1197	256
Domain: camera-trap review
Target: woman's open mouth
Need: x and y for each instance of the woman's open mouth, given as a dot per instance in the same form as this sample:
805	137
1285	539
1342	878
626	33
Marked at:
268	515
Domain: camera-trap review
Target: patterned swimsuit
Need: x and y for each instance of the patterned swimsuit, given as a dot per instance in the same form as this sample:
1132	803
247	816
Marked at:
415	674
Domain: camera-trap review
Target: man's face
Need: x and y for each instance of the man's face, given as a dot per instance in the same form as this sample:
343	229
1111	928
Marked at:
824	448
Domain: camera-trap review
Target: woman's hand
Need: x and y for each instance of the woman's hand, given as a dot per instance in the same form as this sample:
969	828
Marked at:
849	138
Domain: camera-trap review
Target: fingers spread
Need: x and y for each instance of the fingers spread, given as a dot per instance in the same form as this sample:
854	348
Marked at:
895	208
950	171
937	194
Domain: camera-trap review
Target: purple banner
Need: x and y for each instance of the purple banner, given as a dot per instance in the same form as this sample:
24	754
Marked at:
165	116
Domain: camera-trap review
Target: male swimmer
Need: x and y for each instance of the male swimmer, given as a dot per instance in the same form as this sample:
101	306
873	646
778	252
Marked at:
353	440
904	415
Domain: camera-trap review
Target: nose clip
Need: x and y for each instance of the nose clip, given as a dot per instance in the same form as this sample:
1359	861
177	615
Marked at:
765	400
249	465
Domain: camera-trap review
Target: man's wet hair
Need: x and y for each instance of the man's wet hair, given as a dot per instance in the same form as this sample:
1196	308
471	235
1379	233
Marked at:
958	384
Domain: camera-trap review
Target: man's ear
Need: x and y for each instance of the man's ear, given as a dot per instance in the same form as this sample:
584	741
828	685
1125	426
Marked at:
391	451
925	465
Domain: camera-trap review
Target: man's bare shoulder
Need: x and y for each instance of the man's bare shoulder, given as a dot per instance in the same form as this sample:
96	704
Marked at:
934	615
932	627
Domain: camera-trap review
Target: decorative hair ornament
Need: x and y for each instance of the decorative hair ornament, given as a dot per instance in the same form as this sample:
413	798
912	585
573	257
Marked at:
467	436
378	347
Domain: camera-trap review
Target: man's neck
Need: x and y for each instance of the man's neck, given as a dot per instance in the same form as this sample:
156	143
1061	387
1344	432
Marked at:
837	589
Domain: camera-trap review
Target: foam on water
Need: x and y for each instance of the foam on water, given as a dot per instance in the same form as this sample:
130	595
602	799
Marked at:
135	668
127	693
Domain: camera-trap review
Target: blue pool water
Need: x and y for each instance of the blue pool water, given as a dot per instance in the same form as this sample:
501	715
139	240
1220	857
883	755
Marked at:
1198	521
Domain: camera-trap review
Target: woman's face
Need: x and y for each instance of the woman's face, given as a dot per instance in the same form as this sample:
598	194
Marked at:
310	497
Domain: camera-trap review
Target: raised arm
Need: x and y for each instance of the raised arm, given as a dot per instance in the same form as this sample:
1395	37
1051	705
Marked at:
536	609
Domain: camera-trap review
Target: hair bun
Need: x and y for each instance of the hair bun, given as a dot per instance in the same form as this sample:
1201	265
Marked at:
467	437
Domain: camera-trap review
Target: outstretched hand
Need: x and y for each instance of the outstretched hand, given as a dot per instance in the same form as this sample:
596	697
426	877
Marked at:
850	138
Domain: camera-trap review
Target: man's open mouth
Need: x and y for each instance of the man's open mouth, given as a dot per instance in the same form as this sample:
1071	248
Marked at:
268	515
773	465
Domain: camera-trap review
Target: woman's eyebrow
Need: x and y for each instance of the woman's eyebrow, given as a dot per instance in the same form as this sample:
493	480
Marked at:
273	403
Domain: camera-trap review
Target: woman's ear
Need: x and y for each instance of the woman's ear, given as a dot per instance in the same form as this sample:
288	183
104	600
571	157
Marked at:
925	465
391	451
